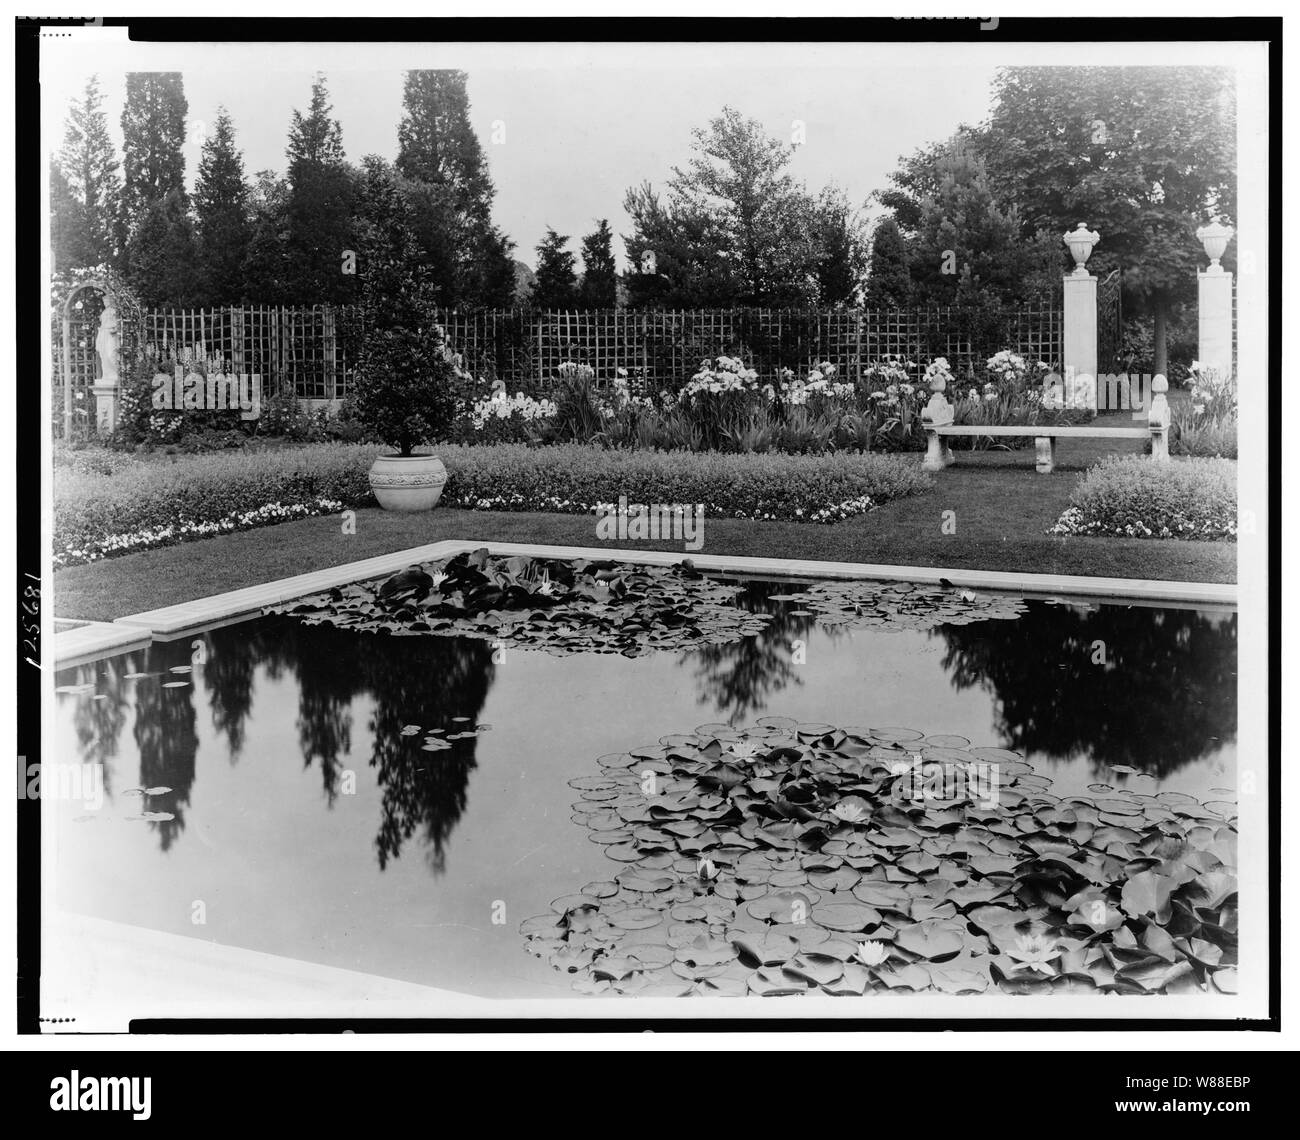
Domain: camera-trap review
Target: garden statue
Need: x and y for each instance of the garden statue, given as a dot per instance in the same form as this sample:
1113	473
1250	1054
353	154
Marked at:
106	345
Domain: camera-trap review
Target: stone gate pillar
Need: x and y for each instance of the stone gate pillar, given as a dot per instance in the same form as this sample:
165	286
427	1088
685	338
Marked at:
1079	338
1214	302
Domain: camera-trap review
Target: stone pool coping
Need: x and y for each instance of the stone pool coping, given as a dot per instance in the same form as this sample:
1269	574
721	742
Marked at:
83	644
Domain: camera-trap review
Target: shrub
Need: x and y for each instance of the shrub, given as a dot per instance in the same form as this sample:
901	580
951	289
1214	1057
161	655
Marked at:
407	383
1132	496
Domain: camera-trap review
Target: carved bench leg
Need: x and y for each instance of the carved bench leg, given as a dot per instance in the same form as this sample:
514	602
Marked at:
937	455
1046	446
1160	444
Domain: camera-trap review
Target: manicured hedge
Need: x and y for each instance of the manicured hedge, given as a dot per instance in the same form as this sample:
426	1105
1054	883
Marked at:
1133	497
101	512
175	498
576	478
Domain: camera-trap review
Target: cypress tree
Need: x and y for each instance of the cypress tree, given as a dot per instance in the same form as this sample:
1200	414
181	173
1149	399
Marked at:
221	215
556	286
319	209
889	280
85	186
599	289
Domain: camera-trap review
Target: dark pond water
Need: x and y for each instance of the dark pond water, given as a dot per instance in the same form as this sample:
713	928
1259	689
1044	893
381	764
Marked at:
310	826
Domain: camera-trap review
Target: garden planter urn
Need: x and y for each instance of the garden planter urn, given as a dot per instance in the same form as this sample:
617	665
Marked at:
408	483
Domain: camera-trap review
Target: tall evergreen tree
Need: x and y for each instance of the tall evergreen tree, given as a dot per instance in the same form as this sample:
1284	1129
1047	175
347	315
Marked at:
160	257
735	228
435	140
155	231
67	224
222	222
841	259
265	270
446	180
599	288
153	143
86	186
967	243
556	286
319	221
889	281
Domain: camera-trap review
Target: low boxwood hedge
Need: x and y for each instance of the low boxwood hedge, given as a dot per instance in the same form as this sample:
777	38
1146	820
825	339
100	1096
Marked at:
103	512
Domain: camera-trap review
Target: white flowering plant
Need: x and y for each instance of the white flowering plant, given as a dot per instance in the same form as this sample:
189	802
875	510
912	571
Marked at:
722	394
1008	371
821	387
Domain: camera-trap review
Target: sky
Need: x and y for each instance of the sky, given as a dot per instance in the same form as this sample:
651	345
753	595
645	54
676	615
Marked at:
567	129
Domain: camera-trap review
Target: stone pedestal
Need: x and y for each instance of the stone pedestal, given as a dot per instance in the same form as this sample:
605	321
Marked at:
937	413
1158	419
1079	337
1214	320
105	407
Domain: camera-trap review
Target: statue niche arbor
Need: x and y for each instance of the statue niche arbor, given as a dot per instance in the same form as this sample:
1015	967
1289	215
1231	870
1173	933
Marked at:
98	322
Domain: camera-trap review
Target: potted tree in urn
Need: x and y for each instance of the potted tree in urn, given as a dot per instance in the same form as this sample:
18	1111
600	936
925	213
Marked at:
408	380
405	392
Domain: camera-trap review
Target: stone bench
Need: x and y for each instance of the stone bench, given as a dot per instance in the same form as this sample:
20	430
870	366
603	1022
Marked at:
937	417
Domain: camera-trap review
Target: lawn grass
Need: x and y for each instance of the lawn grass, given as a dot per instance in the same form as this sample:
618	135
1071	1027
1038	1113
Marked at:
1001	507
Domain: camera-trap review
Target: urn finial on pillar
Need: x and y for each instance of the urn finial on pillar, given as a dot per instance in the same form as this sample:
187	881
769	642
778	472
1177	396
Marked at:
1081	240
1215	238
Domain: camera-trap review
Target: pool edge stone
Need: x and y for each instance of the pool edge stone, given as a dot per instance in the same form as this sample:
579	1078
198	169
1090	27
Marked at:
171	620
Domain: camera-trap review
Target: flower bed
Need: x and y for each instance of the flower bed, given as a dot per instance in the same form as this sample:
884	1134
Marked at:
575	479
149	504
1133	497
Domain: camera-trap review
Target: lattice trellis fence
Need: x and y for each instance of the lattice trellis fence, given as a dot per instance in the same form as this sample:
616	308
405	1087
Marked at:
313	351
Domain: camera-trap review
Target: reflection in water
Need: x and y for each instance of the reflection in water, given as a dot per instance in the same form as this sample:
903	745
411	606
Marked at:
1165	698
740	677
1166	695
409	680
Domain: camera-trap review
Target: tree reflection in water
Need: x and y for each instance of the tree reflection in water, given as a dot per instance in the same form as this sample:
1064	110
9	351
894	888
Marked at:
740	677
1166	696
425	681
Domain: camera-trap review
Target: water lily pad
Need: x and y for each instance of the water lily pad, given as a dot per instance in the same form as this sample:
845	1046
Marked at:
845	916
771	981
634	917
930	939
763	948
1035	893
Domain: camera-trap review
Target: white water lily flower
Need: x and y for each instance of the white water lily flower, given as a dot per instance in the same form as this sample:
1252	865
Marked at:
1034	952
851	809
706	869
871	953
545	587
746	749
438	579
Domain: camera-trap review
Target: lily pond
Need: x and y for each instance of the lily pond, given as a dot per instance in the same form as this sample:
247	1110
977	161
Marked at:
510	778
